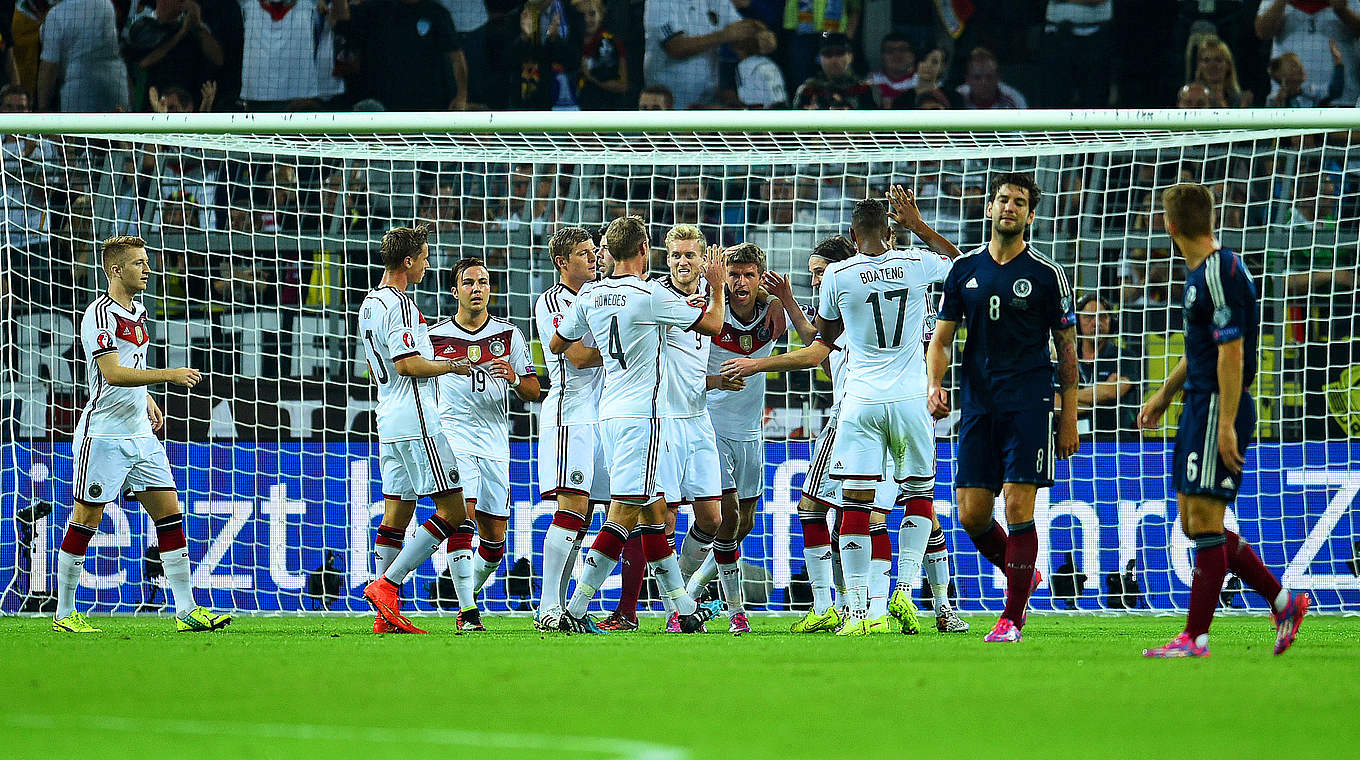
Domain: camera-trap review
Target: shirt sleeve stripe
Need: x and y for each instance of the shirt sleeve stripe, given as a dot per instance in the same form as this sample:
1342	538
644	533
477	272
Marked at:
1213	277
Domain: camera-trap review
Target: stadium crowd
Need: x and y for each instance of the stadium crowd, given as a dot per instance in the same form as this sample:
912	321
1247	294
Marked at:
303	55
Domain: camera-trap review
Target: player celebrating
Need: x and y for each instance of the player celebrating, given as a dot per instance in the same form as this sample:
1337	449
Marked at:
737	411
627	315
414	455
115	444
570	458
1011	298
688	466
475	414
1216	423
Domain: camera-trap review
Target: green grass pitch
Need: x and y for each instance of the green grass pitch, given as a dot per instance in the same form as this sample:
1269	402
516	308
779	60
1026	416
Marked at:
327	688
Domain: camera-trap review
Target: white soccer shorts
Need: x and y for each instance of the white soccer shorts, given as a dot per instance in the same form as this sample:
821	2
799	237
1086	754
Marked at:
105	468
817	484
632	446
487	481
742	466
418	467
689	460
571	460
866	431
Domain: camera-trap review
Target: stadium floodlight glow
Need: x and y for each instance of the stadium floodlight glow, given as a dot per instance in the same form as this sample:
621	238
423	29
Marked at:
263	228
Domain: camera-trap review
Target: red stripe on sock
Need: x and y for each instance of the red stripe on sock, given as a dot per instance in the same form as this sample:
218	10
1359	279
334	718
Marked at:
854	522
815	533
491	552
170	539
727	556
461	540
919	508
656	547
568	521
77	539
608	544
880	546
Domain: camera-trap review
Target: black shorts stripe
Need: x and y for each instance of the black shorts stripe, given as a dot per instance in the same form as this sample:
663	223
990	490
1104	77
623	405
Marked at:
653	450
432	453
563	442
816	473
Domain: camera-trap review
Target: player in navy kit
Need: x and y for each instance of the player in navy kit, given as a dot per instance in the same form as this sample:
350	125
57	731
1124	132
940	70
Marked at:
1011	298
1216	422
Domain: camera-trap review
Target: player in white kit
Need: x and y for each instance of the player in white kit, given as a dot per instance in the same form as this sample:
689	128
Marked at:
474	410
628	315
737	415
414	455
920	531
115	446
571	462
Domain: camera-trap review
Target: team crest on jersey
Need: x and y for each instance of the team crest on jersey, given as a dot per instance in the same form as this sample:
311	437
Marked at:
1190	294
497	347
746	342
96	490
474	353
1221	316
1022	287
577	477
408	340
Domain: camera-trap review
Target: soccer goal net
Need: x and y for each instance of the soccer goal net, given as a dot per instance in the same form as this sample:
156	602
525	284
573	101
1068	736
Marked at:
263	234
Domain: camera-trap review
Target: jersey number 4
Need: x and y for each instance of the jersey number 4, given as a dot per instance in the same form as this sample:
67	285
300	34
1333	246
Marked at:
616	343
900	296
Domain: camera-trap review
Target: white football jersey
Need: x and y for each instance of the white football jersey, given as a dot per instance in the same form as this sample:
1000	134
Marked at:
573	396
628	317
685	379
474	408
881	301
737	414
392	328
114	412
837	360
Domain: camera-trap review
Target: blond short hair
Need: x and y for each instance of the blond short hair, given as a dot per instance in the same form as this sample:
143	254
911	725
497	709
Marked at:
685	232
626	236
113	249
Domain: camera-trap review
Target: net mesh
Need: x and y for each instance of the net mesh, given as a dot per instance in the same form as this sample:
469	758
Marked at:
263	245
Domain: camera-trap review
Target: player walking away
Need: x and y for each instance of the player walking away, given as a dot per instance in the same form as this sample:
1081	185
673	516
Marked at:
1011	298
627	315
821	493
1216	423
737	409
475	414
571	463
414	454
688	466
115	444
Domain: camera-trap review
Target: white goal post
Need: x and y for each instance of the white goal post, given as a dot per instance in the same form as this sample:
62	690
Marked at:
263	230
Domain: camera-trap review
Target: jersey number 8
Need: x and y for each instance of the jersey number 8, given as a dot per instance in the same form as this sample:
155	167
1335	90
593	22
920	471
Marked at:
994	308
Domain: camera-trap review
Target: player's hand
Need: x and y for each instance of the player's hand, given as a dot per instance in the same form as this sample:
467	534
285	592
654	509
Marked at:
745	29
731	383
775	320
905	211
1227	449
740	367
185	376
501	370
460	366
1067	436
715	267
938	403
1337	60
779	286
154	413
1150	415
698	300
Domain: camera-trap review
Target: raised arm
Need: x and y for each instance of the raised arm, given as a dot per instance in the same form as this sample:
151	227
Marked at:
782	288
715	272
907	214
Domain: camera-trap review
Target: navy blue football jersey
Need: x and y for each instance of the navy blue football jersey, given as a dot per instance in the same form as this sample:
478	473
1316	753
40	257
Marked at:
1009	312
1219	307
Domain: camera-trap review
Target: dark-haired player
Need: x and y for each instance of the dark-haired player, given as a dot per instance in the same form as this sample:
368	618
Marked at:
1216	423
1012	299
474	410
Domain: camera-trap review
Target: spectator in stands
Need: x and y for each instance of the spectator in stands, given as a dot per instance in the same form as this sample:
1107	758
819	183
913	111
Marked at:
1209	61
168	44
982	86
470	18
805	22
1194	95
1291	82
929	85
546	56
1306	27
760	83
604	62
395	39
656	97
897	69
80	50
289	56
19	151
1076	53
682	46
178	99
24	33
836	87
1107	393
